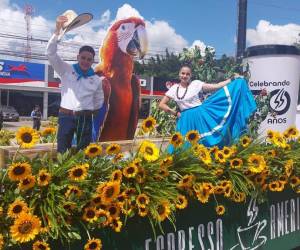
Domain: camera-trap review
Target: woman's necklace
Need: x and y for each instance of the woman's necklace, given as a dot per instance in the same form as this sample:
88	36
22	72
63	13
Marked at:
177	91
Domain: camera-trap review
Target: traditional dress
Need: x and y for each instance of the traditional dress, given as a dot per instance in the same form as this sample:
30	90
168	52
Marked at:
221	119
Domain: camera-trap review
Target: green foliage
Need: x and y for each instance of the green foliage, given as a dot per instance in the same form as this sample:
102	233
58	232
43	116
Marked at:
5	137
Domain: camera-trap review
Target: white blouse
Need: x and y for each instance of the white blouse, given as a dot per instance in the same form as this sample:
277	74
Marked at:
186	98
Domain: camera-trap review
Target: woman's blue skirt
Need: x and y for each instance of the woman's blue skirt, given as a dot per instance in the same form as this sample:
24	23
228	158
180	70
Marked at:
222	118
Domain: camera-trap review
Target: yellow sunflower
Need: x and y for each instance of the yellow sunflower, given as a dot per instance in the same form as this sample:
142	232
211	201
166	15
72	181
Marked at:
93	244
203	193
220	209
141	175
116	224
27	183
130	171
19	170
204	156
271	153
148	124
16	208
186	181
176	139
25	228
93	150
270	135
288	167
40	245
274	186
90	214
113	210
110	192
292	132
116	175
181	202
256	163
27	137
163	210
294	181
149	151
113	149
166	162
142	200
143	211
238	197
104	217
163	172
193	136
236	163
48	131
227	152
280	141
245	141
73	190
44	177
220	157
1	241
118	157
78	173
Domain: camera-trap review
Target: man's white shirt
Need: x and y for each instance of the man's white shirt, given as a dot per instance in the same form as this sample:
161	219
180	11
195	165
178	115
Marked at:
82	94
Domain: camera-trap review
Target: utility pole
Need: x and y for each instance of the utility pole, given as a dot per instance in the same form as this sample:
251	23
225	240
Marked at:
28	11
241	28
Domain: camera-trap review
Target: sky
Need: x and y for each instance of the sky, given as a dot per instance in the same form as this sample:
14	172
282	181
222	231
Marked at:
170	24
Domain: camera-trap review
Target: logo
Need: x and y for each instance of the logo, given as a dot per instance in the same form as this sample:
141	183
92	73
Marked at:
280	101
22	68
250	236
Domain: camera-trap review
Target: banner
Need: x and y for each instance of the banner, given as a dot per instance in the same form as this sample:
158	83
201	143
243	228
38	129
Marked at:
22	73
274	69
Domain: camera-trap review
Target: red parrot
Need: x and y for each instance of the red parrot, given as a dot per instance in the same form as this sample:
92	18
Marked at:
125	40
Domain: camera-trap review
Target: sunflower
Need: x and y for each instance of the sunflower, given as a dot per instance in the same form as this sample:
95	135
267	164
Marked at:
141	175
245	141
116	224
214	149
1	211
113	149
219	172
280	141
193	136
78	173
203	193
288	167
113	210
181	202
25	228
116	175
16	208
27	183
130	171
110	192
143	211
90	214
93	150
163	210
48	131
271	153
270	135
220	157
292	132
176	139
118	157
204	156
227	152
19	170
236	163
256	163
93	244
148	124
73	190
43	178
163	172
104	217
166	162
294	181
220	209
40	245
149	151
274	186
27	137
186	181
142	200
260	179
1	241
238	197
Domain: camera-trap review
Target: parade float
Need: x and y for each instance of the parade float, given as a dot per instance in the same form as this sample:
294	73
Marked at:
134	195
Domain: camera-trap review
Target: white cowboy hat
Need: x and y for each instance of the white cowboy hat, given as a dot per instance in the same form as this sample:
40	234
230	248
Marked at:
74	21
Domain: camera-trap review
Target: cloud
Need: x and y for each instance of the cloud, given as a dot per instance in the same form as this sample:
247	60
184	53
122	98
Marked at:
127	11
267	33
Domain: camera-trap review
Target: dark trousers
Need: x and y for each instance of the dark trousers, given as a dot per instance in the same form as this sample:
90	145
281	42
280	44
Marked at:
68	125
36	124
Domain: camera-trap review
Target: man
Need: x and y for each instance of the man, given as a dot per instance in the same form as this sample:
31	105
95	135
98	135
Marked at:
36	116
81	93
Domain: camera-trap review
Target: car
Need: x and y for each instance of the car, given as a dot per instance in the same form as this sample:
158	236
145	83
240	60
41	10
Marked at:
10	113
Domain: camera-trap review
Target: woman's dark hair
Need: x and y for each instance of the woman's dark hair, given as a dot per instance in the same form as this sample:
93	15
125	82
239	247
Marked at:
88	49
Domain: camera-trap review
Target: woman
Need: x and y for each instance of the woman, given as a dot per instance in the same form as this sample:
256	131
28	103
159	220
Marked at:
221	118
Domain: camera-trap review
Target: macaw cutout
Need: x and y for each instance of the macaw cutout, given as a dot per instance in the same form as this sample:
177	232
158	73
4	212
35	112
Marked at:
118	117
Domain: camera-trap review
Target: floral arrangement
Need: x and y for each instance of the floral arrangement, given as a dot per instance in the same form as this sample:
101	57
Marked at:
51	198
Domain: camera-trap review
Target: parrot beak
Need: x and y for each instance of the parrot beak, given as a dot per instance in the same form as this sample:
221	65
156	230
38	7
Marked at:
138	45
